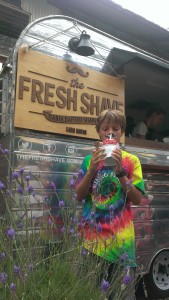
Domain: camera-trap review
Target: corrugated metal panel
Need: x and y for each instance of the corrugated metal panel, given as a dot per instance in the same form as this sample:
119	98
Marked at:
12	20
6	45
39	10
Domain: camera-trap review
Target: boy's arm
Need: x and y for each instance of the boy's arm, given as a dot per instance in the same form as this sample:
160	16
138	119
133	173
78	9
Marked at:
83	187
134	194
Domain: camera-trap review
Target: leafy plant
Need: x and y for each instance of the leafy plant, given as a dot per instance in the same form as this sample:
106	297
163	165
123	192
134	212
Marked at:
46	260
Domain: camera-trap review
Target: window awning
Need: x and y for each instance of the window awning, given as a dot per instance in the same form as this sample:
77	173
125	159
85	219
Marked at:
120	23
12	20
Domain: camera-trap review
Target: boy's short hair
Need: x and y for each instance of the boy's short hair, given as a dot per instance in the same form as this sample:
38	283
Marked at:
112	117
158	110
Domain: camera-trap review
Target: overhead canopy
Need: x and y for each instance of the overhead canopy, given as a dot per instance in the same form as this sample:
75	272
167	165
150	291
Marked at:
119	22
12	20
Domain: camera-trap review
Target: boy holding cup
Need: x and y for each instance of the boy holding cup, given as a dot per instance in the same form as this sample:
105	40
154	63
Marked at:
109	190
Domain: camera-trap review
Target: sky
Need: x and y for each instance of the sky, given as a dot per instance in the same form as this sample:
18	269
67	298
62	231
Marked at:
152	10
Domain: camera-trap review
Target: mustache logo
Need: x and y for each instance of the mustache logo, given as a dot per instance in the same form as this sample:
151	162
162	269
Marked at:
75	70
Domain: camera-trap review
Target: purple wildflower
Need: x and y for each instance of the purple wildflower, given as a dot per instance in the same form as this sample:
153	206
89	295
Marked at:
92	223
105	285
92	214
71	231
2	186
3	277
12	286
3	255
81	172
82	224
16	270
124	257
111	207
71	182
11	232
84	252
5	151
52	186
46	199
49	221
30	189
21	170
83	202
99	227
30	267
129	184
127	279
15	175
8	193
79	234
75	220
27	178
111	215
20	225
61	204
124	169
2	150
62	230
20	190
128	268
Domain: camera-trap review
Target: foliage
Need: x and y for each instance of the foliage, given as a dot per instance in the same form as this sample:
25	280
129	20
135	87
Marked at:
45	260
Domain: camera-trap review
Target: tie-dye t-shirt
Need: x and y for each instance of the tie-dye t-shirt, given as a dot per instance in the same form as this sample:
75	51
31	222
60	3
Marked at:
107	224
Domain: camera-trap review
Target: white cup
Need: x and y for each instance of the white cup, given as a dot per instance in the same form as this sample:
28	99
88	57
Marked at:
109	148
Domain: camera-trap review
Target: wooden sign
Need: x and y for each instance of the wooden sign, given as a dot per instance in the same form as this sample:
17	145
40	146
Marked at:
60	97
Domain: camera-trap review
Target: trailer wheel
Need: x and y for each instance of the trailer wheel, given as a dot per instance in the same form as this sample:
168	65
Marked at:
157	280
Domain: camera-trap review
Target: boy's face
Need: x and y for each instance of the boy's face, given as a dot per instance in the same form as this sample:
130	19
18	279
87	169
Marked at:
108	128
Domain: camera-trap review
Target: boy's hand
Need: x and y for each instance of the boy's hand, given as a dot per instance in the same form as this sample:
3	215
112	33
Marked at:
97	156
117	156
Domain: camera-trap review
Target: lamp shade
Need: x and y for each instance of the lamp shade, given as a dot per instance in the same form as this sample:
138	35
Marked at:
81	46
84	46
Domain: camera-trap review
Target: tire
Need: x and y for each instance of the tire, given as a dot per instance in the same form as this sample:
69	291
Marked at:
157	280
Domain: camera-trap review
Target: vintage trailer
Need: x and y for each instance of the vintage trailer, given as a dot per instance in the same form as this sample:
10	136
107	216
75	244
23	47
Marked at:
50	97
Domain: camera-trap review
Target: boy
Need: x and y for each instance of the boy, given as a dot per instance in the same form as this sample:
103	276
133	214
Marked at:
108	193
